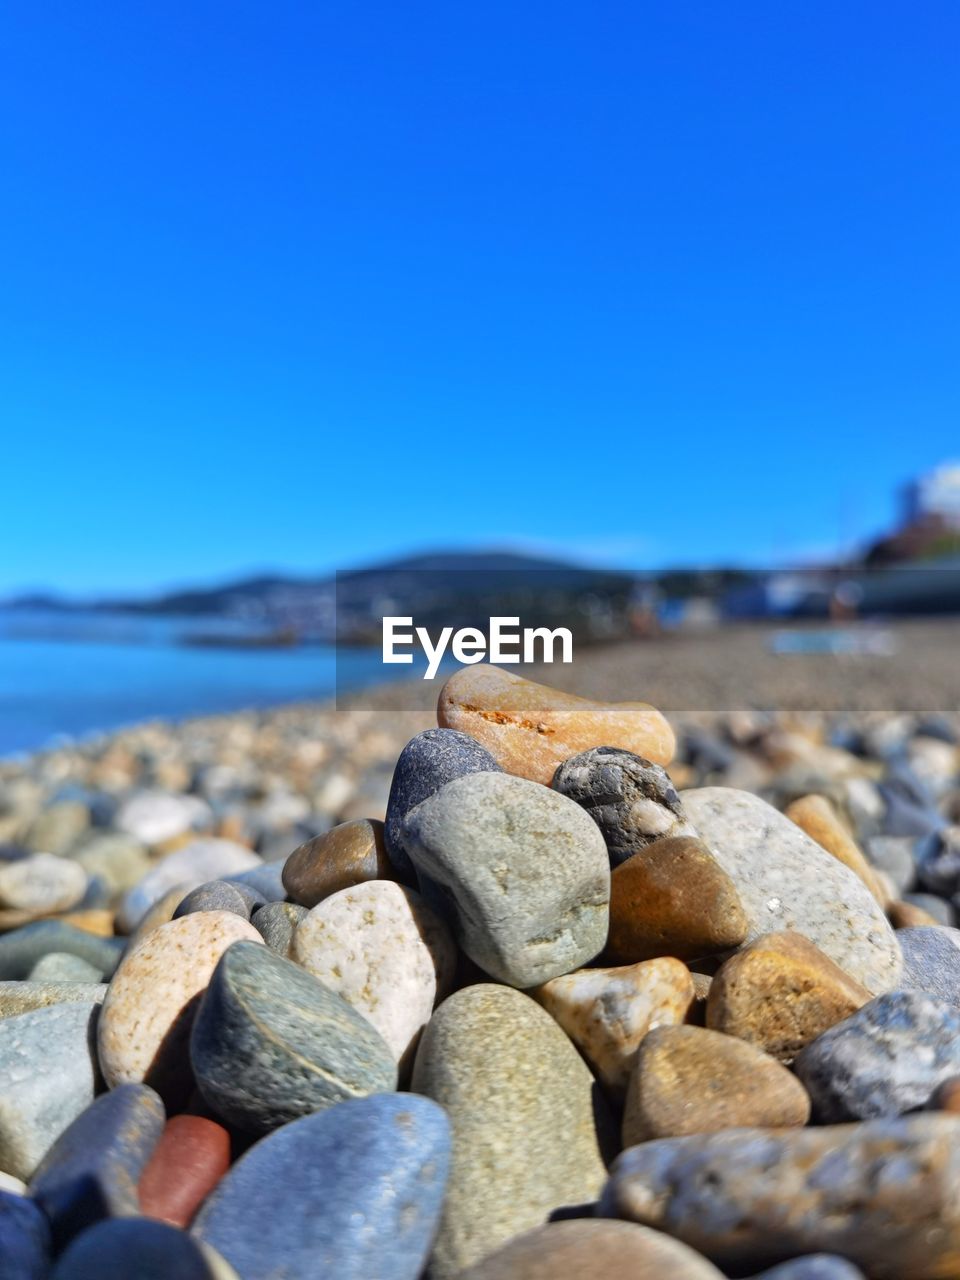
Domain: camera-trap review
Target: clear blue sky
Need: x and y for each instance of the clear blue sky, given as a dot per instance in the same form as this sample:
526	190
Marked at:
303	284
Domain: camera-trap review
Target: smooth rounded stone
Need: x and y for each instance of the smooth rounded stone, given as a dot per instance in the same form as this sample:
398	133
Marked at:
264	882
270	1043
428	762
886	1059
884	1194
780	993
58	827
354	1192
941	910
146	1019
938	861
673	898
690	1080
91	1171
632	800
946	1096
608	1012
124	1248
350	854
155	816
525	1120
25	1249
786	881
48	1075
191	1157
591	1250
904	915
816	816
118	860
931	962
276	923
12	1186
380	947
41	883
894	856
815	1266
530	728
191	866
521	871
160	913
61	966
909	809
22	997
217	895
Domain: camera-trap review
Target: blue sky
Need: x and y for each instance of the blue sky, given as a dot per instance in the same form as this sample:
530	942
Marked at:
302	285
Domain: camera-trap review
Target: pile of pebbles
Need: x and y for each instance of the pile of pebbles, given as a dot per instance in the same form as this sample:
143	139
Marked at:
569	990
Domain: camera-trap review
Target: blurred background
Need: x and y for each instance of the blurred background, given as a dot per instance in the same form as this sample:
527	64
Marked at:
306	305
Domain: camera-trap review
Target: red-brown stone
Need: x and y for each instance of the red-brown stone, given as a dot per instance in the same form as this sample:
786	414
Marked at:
191	1157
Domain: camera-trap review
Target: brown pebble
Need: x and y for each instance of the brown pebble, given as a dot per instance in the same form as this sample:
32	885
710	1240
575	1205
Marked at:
946	1097
350	854
191	1157
906	915
819	819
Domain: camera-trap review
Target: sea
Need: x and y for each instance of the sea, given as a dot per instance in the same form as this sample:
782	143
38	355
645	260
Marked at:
69	675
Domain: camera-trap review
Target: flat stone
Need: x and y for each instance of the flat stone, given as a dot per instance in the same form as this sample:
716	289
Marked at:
632	800
884	1194
116	859
191	1157
20	950
885	1059
270	1043
819	819
787	881
530	729
353	1192
673	898
608	1012
142	1248
61	966
58	827
931	962
589	1250
218	895
534	1125
147	1016
189	867
22	997
381	948
153	817
690	1080
350	854
276	923
428	762
941	910
521	871
815	1266
25	1247
893	855
91	1171
48	1069
41	883
265	881
780	993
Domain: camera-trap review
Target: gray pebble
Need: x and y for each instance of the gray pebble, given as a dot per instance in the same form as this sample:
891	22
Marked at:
939	908
22	948
61	966
815	1266
215	895
931	961
277	923
894	855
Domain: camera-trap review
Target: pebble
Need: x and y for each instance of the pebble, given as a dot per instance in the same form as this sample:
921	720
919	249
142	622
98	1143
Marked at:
270	1043
884	1194
351	854
277	923
25	1251
631	800
893	855
191	1157
91	1171
530	728
191	866
219	895
116	859
22	997
522	872
353	1192
941	911
58	827
674	899
264	881
428	762
938	861
590	1250
815	1266
904	915
931	962
147	1015
608	1012
691	1080
42	883
521	1103
786	881
884	1060
140	1249
818	818
386	952
61	966
780	993
48	1070
152	817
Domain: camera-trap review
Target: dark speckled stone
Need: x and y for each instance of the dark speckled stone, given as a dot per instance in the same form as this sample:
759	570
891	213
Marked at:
24	1239
354	1192
277	923
931	961
22	948
270	1043
137	1249
92	1170
428	762
219	895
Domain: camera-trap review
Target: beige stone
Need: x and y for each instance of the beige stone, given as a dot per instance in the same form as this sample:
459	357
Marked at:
41	883
817	817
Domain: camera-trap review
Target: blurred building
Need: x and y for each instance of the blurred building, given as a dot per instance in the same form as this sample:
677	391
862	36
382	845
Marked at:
934	497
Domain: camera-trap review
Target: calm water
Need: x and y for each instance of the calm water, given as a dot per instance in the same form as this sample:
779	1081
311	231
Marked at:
76	674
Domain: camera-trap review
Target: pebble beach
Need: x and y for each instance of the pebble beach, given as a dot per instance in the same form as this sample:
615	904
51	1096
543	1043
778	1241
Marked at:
647	967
